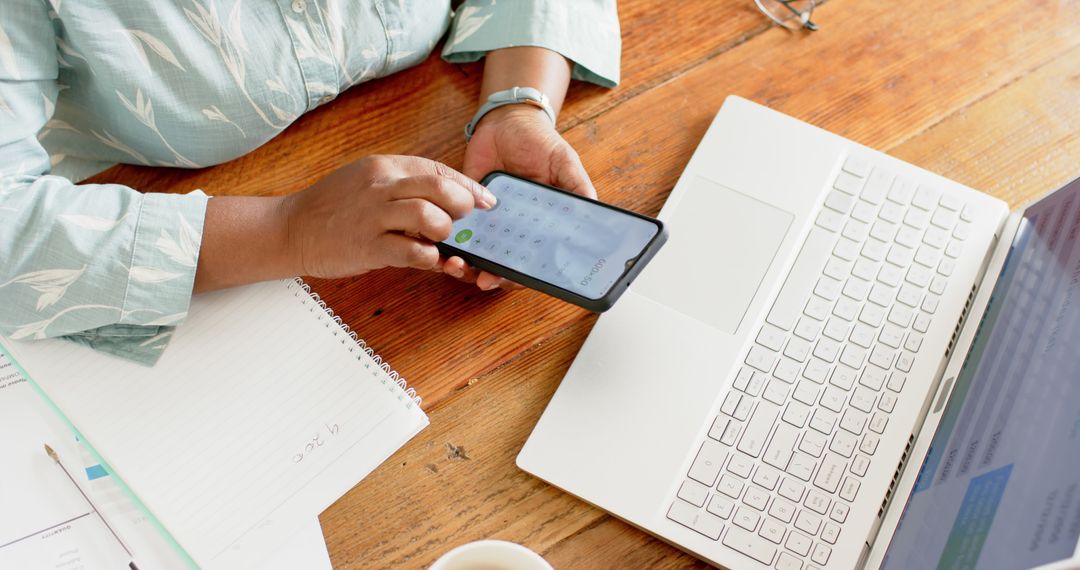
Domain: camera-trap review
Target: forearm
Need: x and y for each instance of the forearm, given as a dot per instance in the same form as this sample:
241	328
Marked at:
245	240
535	67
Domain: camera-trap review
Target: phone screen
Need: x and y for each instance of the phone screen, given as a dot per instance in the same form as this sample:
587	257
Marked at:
553	236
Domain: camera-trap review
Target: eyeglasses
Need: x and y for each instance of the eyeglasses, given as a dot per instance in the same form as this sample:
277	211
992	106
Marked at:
792	14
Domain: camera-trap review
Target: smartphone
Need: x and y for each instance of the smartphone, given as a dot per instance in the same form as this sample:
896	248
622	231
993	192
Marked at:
554	241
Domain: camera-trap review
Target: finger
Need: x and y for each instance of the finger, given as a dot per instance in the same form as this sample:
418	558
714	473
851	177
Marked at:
457	268
416	166
571	175
445	193
418	217
488	281
397	250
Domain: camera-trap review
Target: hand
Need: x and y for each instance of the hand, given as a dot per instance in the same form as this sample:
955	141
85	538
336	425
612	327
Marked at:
521	140
380	211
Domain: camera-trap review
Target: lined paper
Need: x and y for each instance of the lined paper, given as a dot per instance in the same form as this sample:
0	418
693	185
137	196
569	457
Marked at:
260	414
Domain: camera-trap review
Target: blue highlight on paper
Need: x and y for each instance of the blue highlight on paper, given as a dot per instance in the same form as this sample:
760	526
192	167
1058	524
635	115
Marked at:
96	472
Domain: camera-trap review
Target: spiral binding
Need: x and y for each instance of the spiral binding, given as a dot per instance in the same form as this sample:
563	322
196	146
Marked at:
358	343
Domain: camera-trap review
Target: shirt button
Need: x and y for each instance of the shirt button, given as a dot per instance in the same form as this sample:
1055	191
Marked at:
326	99
298	6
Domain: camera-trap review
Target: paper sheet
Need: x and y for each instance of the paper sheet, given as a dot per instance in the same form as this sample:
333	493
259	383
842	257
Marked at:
261	414
45	523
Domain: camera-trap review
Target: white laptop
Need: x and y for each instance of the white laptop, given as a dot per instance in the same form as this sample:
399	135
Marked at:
766	392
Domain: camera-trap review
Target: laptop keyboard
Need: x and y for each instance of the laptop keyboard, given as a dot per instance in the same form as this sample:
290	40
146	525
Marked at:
783	460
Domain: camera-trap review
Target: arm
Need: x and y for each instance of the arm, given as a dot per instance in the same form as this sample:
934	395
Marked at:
100	264
113	268
554	42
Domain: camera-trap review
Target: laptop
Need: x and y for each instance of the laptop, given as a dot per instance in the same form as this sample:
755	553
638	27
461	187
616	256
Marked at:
839	360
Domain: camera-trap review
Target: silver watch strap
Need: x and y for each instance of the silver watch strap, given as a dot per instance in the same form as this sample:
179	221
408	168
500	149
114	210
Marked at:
527	95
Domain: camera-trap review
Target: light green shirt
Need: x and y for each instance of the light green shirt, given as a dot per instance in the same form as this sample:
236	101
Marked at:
88	83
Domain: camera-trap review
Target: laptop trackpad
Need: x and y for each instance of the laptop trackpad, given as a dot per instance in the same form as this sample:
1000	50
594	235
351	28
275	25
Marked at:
721	245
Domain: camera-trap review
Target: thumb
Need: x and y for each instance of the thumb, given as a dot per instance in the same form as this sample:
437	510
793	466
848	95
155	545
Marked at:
570	175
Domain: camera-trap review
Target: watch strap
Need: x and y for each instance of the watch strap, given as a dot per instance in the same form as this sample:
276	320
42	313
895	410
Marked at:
512	96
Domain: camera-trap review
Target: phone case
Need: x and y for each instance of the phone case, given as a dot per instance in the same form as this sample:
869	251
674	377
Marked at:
596	305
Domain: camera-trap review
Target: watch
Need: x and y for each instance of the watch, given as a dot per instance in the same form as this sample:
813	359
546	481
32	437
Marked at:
527	95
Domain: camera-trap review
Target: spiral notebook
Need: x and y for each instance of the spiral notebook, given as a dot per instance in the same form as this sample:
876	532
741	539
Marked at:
263	411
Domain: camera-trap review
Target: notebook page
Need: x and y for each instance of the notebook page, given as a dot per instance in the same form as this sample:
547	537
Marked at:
256	418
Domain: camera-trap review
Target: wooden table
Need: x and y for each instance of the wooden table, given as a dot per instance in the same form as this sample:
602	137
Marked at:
986	93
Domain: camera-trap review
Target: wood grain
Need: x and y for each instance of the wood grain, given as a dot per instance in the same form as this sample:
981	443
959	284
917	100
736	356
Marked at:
985	93
1008	129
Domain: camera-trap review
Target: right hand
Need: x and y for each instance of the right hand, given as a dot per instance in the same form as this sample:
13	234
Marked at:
380	211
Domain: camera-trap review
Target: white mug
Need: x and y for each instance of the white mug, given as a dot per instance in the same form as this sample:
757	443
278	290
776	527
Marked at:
491	555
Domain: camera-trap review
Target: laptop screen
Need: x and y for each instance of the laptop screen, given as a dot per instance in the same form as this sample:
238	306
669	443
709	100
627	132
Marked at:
1000	487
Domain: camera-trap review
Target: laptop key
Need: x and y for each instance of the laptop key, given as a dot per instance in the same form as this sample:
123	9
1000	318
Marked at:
740	465
780	449
813	443
848	183
694	493
838	512
821	554
782	510
772	531
750	544
696	519
719	426
788	562
766	477
817	501
756	498
839	201
706	466
801	465
771	337
808	522
830	220
857	165
761	358
757	429
746	518
877	186
730	486
830	533
720	506
798	543
791	489
832	468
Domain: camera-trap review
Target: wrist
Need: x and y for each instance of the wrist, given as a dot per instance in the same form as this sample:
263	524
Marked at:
514	96
510	113
245	240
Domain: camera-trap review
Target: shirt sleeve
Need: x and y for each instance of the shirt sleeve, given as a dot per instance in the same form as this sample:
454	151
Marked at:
100	264
584	31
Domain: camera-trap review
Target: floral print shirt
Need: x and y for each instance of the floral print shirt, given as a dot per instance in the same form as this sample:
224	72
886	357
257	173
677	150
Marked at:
190	83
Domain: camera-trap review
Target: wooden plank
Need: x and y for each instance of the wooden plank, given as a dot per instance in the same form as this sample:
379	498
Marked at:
422	513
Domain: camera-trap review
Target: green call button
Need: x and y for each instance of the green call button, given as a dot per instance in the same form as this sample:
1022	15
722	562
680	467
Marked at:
463	236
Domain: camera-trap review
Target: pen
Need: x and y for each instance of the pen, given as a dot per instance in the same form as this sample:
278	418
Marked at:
56	457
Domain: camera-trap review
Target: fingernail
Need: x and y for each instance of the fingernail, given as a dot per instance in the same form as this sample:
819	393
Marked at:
492	285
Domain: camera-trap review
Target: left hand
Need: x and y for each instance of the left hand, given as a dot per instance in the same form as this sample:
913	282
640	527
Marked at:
520	140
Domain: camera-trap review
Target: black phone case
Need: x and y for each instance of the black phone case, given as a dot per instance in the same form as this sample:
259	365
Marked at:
596	305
